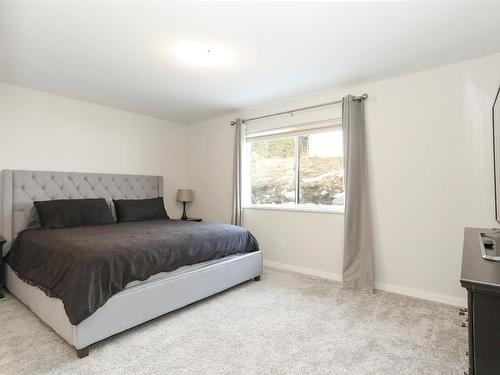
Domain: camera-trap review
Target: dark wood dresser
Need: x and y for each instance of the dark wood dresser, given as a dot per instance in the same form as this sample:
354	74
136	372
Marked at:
481	278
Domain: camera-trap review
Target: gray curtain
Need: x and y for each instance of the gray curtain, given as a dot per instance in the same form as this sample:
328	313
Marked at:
358	244
239	135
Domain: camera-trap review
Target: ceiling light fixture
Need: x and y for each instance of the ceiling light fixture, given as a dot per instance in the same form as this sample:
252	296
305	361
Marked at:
202	54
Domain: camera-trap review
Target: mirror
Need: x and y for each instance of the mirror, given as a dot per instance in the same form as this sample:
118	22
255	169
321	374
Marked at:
496	152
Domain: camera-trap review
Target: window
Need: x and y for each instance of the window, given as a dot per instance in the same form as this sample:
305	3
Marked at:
302	168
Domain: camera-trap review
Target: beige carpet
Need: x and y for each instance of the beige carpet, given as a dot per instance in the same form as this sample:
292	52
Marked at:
285	324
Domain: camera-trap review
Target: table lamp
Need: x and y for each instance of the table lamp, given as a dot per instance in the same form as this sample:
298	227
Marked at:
184	195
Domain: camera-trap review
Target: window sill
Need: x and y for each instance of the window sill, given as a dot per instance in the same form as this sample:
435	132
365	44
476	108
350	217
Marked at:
297	208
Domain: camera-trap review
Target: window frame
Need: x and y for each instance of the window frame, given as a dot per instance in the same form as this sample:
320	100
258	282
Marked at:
296	133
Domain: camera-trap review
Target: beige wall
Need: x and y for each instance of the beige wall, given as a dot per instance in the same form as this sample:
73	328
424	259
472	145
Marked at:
431	174
41	131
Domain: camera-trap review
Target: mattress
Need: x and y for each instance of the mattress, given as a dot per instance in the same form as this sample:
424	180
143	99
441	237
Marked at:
85	266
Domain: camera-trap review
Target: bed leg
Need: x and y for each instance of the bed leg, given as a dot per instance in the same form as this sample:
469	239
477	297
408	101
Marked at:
82	353
257	278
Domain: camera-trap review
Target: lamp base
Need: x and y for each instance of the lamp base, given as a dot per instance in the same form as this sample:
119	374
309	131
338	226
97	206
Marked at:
184	216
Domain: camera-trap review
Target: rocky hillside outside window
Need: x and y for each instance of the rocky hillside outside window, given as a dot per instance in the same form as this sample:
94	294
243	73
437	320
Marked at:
299	169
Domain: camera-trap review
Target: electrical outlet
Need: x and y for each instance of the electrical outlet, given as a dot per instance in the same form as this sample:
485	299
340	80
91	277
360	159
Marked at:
282	245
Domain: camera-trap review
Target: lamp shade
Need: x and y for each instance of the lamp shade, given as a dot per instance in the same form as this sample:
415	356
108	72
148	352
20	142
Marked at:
184	195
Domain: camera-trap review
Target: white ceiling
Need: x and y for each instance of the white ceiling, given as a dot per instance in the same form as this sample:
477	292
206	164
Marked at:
117	53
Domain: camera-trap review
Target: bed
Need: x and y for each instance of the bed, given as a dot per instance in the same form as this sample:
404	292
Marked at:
141	298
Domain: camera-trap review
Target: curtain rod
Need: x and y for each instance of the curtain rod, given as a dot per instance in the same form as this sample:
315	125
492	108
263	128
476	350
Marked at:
338	101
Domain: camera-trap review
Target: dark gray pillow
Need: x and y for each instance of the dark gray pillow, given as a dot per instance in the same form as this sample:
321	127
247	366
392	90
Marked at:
66	213
140	209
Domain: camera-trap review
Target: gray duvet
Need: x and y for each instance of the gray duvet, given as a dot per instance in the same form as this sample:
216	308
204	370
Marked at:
85	266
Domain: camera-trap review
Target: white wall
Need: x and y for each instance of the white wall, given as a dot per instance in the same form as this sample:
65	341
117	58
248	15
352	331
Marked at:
40	131
431	174
429	141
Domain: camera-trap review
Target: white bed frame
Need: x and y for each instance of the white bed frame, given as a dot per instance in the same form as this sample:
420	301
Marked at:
137	303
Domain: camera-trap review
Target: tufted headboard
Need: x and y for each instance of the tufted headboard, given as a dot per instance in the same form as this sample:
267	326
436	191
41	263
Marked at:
19	189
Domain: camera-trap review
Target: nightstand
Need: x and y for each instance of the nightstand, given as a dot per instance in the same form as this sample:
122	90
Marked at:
2	241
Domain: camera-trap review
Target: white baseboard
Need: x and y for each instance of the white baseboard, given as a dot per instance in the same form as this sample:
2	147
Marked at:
304	270
422	294
454	301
